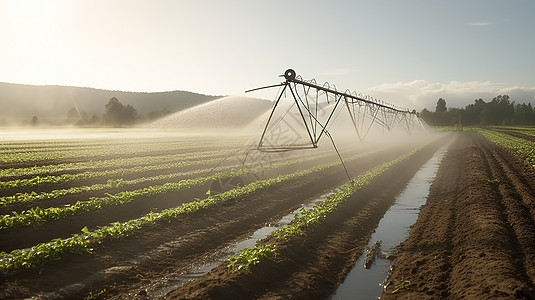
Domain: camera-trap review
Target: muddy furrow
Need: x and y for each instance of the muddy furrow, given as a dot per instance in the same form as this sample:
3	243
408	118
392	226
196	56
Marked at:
476	253
484	242
27	236
517	134
328	263
424	259
521	175
124	266
312	266
133	261
516	199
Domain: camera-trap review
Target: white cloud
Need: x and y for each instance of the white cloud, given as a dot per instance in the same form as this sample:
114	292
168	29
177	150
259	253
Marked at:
419	94
480	23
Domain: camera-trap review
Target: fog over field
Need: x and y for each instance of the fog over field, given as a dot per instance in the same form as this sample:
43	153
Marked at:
410	54
267	149
22	102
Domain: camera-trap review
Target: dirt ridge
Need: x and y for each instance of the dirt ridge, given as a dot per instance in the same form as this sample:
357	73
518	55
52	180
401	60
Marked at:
311	267
474	236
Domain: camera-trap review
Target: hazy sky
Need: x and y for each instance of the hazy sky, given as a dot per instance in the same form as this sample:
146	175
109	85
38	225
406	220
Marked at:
408	53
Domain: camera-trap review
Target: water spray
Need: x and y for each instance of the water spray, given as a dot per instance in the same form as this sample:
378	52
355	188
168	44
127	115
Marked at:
316	105
314	109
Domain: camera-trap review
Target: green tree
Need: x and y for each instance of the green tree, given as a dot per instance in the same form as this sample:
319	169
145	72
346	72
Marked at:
440	113
94	119
428	116
500	111
118	114
473	111
441	106
35	121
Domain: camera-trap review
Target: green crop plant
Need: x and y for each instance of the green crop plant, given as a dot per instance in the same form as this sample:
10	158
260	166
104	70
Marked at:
36	216
55	179
28	152
305	217
523	148
250	257
37	255
106	164
96	295
405	284
112	183
81	242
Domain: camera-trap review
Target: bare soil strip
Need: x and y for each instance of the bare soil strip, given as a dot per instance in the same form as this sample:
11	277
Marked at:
24	237
517	134
474	239
475	236
127	268
312	266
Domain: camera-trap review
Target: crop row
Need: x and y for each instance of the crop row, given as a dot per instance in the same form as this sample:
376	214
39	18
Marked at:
36	148
111	150
63	178
522	129
82	242
114	183
530	132
50	145
37	215
306	217
33	196
55	145
524	148
102	164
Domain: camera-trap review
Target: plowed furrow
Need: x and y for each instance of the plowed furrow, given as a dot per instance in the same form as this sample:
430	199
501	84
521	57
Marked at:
311	266
473	238
514	197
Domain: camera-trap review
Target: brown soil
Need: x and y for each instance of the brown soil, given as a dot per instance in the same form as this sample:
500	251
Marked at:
312	266
517	134
134	266
475	237
27	236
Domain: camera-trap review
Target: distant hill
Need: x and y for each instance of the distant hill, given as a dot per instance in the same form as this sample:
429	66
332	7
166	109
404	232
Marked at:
22	102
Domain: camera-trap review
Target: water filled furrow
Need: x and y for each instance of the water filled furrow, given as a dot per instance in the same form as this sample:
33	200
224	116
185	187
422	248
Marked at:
369	273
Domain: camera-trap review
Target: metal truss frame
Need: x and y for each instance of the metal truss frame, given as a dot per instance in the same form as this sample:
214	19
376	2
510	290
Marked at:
313	100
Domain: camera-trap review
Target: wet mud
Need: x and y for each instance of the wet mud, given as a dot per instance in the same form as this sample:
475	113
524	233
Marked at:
473	239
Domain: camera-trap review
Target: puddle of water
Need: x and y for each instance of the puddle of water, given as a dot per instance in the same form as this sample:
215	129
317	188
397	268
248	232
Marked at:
166	284
230	251
362	283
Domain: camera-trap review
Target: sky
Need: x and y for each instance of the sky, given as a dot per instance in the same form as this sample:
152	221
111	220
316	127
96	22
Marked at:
408	53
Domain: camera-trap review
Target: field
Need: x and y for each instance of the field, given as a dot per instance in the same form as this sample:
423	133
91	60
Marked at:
126	214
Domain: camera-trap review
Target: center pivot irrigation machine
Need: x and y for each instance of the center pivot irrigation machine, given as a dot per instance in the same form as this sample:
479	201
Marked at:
312	109
304	112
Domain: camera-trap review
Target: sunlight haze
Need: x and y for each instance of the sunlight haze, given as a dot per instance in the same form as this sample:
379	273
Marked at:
408	53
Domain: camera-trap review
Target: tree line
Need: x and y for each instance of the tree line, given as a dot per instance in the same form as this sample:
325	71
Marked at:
116	114
500	111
